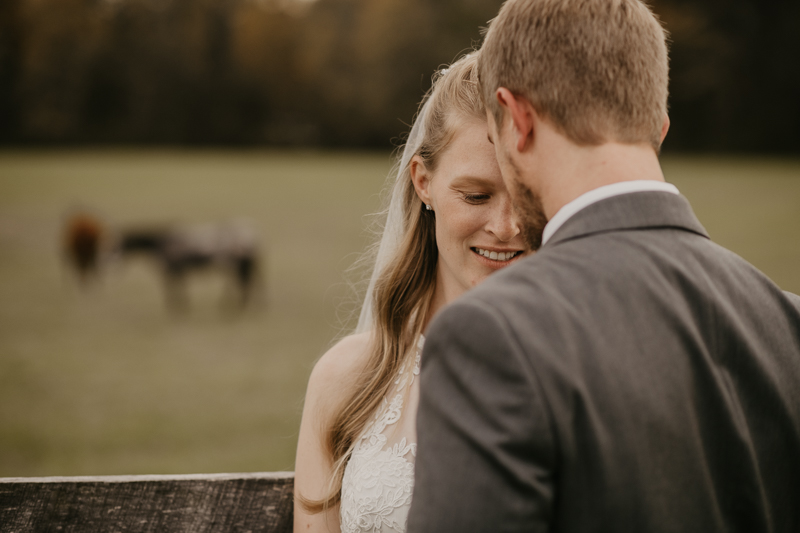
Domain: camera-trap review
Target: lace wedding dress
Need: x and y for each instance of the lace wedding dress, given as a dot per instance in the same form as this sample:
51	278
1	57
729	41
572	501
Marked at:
379	478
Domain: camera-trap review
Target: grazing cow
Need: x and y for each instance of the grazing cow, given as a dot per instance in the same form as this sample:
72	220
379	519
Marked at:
83	237
179	250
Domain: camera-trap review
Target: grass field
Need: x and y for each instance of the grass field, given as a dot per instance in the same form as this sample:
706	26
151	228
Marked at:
107	382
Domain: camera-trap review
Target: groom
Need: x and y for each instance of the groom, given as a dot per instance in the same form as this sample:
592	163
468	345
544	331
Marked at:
632	376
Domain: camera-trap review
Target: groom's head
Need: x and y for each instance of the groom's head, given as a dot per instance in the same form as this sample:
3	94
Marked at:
562	80
597	70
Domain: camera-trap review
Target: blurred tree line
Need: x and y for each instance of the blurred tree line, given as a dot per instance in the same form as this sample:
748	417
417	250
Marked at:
344	72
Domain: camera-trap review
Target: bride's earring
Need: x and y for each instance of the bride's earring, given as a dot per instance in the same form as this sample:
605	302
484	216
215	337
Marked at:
428	207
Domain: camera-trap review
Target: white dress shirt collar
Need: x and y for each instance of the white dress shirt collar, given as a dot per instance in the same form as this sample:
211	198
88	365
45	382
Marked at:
601	193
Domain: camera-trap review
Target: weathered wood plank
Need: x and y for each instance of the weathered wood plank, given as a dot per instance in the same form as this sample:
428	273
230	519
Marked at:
199	503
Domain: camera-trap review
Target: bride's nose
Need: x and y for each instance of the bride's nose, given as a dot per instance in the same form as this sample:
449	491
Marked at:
502	222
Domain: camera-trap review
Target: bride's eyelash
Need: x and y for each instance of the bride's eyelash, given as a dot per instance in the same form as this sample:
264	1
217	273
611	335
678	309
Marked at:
475	198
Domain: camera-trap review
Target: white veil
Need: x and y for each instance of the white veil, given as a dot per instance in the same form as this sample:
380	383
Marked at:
393	227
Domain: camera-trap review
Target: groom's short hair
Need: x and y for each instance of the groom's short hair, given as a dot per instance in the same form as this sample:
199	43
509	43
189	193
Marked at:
597	69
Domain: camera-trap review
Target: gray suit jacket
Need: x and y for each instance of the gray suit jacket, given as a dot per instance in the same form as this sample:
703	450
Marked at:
630	377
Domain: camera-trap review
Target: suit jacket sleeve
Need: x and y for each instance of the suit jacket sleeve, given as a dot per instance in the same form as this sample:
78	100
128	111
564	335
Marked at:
485	455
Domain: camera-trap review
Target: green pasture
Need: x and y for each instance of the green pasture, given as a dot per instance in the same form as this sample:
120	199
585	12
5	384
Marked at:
105	381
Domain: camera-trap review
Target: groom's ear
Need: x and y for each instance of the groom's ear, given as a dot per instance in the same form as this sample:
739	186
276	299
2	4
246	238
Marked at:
520	115
664	127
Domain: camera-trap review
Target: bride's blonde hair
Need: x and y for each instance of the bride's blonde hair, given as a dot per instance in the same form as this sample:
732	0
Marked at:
404	274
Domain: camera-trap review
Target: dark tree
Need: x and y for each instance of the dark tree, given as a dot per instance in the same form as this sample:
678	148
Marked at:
345	72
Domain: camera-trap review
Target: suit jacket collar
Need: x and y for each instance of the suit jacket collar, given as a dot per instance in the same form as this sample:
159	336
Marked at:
632	211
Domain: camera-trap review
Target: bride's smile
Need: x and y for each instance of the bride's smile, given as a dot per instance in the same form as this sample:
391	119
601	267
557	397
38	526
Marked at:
495	258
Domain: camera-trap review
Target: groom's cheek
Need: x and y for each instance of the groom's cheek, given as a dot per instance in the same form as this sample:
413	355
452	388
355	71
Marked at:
492	125
494	133
508	169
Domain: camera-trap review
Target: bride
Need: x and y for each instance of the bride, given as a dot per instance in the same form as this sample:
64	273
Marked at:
449	225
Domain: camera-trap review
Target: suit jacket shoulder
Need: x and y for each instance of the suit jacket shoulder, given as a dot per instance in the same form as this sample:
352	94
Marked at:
795	299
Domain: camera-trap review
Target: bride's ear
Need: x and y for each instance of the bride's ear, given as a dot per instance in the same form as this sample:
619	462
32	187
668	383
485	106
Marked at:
420	178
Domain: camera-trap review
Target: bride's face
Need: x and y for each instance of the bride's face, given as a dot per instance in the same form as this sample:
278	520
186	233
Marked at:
476	229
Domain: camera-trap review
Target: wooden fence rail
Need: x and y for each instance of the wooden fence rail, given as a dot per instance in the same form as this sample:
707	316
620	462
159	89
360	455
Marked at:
197	503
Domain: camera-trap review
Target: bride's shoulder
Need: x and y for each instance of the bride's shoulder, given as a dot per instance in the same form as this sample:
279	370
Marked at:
339	367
